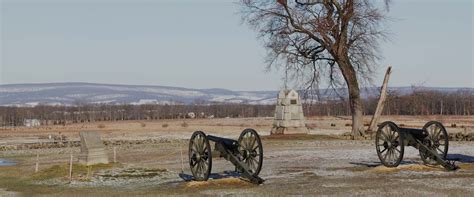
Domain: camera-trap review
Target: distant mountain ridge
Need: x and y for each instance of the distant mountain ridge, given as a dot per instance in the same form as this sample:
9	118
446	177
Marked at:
93	93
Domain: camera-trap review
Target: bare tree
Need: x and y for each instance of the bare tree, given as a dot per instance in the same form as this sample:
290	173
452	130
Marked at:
333	39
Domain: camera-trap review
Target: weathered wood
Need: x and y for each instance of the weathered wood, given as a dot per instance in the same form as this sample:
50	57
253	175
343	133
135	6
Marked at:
70	168
37	162
115	154
182	161
381	103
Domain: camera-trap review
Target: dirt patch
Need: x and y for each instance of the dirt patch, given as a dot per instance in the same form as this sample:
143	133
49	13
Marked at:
351	169
466	166
218	183
411	167
300	137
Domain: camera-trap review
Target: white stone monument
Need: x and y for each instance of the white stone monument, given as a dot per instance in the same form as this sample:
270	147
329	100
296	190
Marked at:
289	117
92	149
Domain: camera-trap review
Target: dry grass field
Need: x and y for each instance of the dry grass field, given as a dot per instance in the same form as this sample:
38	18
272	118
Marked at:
152	160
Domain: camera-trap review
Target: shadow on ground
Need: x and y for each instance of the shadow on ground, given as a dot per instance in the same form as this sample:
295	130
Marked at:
225	174
375	164
461	158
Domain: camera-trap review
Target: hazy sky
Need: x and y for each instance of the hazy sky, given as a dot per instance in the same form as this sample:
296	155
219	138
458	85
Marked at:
202	44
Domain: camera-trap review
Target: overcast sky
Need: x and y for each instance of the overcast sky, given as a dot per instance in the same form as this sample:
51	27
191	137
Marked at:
202	44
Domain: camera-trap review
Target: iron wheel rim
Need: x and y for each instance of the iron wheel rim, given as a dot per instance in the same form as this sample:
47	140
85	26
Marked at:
251	150
437	140
389	144
200	156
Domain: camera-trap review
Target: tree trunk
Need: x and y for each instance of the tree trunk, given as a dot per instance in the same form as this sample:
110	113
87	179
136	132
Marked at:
356	110
354	96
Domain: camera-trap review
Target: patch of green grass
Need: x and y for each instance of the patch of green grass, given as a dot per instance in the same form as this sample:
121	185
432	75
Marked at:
62	171
136	173
12	178
26	183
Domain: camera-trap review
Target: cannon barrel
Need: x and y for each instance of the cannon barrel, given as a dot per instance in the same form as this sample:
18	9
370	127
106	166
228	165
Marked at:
419	134
228	143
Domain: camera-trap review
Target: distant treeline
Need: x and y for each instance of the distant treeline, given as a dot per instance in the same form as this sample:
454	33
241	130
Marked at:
420	102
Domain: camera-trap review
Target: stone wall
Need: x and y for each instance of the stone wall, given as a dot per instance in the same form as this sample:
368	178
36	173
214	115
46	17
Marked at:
47	145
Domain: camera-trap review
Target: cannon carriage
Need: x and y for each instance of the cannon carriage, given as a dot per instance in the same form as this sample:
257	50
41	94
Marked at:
246	154
432	142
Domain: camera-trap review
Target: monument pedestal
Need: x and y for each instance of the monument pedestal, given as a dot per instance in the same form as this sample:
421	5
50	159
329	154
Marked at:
289	117
92	149
289	130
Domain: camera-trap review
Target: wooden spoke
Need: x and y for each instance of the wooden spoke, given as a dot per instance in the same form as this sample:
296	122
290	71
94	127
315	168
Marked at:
385	136
398	150
383	150
387	133
252	144
441	151
385	157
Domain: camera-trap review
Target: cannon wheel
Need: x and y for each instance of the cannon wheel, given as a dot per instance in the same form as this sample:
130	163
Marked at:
437	140
389	144
200	157
251	150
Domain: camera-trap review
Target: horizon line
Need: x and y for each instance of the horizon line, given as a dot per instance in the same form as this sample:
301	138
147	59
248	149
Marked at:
211	88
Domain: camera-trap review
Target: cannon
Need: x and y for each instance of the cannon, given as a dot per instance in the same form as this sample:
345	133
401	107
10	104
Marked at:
431	141
246	154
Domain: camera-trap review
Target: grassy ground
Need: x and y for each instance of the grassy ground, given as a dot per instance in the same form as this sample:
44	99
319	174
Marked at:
322	163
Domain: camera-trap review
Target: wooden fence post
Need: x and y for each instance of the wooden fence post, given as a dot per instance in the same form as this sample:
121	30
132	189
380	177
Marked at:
37	162
70	169
182	166
115	154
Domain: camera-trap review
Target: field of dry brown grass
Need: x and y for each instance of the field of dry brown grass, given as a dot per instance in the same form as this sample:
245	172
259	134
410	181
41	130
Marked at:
321	163
182	128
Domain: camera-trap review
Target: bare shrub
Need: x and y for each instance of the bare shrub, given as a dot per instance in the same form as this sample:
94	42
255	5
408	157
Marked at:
311	125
